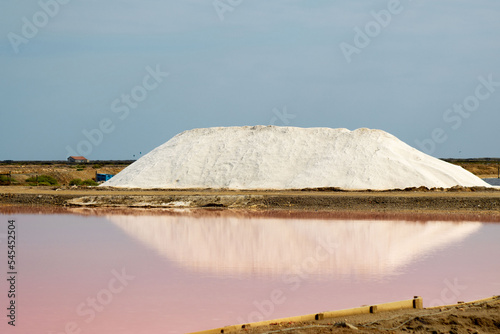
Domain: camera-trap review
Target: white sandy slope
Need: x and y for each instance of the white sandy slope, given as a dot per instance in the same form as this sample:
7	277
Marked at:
270	157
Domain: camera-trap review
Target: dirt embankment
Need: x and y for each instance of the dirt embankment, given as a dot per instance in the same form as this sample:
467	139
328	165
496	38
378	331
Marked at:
469	203
476	317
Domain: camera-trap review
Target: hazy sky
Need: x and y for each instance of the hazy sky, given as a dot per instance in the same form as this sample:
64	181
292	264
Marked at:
110	79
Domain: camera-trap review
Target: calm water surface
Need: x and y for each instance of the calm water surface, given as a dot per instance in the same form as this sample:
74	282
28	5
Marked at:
178	272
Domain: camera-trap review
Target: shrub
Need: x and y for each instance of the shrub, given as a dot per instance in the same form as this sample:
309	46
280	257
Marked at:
4	180
42	180
89	183
97	166
75	182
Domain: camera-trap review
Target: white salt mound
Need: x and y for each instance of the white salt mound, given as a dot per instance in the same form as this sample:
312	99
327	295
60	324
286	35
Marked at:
271	157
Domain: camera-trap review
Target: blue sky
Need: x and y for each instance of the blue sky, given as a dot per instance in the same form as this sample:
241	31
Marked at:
90	77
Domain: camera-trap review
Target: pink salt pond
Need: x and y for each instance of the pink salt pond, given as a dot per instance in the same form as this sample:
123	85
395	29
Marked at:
183	271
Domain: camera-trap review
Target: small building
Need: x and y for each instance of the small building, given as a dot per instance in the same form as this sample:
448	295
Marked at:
102	177
78	159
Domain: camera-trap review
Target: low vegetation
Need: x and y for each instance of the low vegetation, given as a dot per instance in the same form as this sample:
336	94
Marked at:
5	180
80	182
75	182
42	180
89	183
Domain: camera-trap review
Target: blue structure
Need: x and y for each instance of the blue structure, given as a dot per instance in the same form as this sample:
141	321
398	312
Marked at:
102	177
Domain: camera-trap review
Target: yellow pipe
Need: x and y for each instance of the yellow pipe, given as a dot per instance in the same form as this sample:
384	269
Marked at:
405	304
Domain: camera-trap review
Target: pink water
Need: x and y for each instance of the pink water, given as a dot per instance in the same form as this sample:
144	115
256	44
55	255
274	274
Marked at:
179	272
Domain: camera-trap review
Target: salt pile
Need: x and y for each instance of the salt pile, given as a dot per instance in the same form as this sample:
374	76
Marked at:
270	157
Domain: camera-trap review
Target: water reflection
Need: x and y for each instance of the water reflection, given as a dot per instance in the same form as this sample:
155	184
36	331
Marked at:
265	246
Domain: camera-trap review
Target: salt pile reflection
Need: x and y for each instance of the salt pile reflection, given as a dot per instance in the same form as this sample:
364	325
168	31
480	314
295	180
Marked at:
268	246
